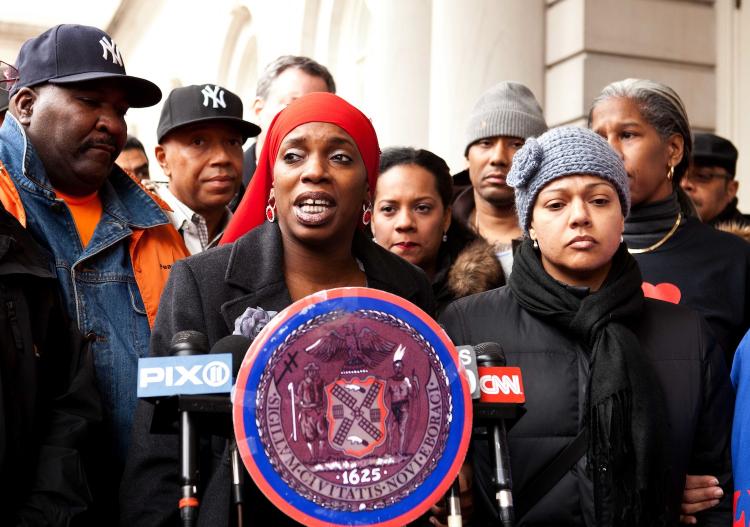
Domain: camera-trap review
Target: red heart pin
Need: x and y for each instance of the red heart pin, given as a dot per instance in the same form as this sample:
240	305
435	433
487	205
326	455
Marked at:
665	291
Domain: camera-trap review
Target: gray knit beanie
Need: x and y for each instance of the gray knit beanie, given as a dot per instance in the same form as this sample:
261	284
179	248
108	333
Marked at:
509	109
563	152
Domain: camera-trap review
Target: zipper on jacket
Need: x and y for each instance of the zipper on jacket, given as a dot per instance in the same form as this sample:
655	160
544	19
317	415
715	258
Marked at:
10	307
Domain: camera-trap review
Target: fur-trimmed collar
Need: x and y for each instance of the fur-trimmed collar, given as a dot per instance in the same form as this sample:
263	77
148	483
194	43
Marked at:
475	270
736	228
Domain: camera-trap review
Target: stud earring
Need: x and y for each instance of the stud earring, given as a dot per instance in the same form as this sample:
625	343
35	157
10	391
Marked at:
271	207
622	238
366	212
445	237
535	244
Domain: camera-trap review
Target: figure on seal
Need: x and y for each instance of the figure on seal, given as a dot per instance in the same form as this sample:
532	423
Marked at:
402	390
311	400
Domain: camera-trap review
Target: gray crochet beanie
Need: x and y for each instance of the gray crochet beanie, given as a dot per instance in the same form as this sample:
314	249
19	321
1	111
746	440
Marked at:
509	109
562	152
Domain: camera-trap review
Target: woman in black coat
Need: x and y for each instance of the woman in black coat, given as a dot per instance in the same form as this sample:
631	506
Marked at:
314	172
637	386
683	261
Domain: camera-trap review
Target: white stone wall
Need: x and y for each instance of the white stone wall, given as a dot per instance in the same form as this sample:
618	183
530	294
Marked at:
417	66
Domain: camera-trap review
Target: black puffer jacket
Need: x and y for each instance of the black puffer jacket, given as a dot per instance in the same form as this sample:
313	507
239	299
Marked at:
555	375
48	399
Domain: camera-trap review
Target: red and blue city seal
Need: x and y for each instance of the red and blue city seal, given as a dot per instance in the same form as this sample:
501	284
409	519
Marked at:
350	408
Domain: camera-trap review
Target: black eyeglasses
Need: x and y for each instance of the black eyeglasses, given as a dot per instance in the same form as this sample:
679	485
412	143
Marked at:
8	76
704	178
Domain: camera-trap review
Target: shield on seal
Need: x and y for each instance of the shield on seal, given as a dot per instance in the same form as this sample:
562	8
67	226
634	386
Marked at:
350	408
356	415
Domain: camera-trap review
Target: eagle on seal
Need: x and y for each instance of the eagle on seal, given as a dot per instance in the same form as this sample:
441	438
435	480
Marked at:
363	349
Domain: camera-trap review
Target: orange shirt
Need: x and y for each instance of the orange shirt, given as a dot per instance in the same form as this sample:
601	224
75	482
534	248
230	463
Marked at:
86	212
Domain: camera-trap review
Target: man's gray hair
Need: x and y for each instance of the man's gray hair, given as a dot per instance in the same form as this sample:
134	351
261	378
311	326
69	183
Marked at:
283	63
660	106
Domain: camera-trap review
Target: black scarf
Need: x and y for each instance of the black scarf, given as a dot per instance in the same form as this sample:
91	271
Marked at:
625	409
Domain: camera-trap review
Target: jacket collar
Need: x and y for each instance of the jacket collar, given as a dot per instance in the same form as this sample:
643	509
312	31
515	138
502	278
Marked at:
463	206
256	262
120	195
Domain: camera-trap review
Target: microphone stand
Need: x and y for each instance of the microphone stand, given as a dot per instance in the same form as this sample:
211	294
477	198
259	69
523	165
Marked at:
454	505
237	483
188	470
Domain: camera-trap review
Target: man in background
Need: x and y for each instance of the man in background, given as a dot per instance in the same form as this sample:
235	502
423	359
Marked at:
501	121
200	135
710	182
133	159
287	78
111	242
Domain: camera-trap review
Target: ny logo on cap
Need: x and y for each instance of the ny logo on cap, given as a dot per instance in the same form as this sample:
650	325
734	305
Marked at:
111	47
216	94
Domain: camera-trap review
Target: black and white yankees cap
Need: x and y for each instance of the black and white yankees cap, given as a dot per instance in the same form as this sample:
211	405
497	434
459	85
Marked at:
203	103
71	53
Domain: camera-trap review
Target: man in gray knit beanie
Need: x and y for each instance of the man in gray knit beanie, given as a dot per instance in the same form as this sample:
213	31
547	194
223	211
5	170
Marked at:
502	119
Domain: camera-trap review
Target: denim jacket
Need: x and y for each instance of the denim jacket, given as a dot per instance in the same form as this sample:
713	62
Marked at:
98	281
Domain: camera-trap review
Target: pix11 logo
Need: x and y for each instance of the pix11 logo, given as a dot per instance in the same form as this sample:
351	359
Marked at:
185	375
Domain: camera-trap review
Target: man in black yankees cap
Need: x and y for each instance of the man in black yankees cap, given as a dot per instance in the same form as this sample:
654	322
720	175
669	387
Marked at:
200	135
111	242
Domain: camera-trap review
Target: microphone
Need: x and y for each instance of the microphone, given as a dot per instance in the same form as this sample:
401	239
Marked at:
237	346
186	343
499	386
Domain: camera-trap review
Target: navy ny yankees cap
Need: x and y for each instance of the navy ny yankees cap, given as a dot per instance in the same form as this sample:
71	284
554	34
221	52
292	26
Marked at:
204	103
71	53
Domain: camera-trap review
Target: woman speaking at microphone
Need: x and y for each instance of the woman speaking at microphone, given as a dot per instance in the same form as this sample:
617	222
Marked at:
636	386
298	230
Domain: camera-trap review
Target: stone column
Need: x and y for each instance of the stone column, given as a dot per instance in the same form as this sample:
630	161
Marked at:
397	86
476	44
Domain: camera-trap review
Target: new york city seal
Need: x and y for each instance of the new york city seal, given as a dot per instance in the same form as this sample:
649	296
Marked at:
350	409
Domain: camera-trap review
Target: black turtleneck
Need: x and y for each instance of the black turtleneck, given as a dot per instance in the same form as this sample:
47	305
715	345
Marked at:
647	224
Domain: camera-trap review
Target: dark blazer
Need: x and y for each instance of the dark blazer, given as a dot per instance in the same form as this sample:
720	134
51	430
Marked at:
207	292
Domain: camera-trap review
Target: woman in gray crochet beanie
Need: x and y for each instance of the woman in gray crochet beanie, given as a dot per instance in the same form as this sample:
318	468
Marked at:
622	392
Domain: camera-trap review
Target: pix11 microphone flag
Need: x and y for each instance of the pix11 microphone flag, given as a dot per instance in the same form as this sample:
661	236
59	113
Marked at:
351	408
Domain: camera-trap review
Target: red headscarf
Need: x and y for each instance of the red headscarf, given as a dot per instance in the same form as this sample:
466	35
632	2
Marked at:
315	107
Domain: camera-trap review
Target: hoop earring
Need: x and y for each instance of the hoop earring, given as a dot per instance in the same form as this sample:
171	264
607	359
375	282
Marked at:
366	213
271	207
445	237
670	174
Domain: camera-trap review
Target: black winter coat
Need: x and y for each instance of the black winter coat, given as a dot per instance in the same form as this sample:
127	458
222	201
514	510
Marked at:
555	374
48	399
207	292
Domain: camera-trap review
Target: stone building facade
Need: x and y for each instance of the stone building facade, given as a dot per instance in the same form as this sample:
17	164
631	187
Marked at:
417	66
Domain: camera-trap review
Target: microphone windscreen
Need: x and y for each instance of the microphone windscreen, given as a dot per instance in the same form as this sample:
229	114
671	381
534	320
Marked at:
490	354
237	345
189	342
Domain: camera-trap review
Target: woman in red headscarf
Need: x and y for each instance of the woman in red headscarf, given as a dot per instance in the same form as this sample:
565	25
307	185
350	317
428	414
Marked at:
297	231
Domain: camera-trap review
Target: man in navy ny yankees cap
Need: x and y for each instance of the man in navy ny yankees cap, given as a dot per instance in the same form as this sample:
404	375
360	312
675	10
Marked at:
200	135
111	241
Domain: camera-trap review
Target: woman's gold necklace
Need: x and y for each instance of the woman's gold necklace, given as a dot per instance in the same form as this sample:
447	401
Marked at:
662	241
